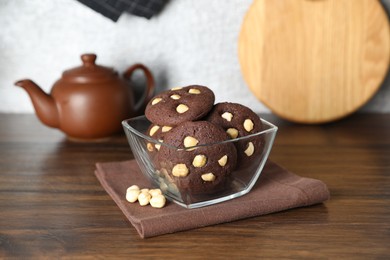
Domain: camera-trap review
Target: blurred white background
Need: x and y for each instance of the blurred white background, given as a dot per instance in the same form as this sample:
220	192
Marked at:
189	42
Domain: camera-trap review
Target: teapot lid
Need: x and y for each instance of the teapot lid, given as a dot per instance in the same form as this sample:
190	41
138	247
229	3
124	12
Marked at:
89	71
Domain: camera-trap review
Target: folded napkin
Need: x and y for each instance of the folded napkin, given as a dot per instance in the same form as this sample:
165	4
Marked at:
277	189
113	9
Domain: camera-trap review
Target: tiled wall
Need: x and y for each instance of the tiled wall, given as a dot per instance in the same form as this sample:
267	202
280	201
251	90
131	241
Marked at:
191	41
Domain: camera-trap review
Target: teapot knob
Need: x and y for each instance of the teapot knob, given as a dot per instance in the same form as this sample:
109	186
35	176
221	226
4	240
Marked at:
88	59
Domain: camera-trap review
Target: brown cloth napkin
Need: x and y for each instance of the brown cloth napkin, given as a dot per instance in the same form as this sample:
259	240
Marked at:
277	189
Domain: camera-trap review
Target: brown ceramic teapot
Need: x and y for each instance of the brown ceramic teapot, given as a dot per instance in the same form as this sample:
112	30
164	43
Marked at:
89	102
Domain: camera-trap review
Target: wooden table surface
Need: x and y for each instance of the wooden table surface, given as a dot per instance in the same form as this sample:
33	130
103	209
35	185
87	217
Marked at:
51	204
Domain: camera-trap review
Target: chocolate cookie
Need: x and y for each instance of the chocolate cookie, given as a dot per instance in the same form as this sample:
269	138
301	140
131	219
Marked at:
239	121
178	105
200	169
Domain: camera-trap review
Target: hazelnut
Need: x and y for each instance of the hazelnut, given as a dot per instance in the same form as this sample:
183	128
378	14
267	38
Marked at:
164	172
190	141
180	170
163	186
232	132
166	128
250	149
182	108
153	130
132	195
158	146
173	188
144	190
223	160
156	100
133	187
144	198
248	125
155	192
158	201
208	176
149	146
199	160
176	88
175	97
194	91
228	116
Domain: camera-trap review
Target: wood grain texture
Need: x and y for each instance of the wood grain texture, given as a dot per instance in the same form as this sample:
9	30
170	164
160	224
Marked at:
314	61
52	205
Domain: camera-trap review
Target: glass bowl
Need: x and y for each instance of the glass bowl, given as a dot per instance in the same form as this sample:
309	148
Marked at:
239	182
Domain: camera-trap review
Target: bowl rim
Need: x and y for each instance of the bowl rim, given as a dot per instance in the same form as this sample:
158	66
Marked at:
125	123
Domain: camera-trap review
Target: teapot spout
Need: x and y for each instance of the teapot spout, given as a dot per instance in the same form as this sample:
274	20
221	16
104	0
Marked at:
44	104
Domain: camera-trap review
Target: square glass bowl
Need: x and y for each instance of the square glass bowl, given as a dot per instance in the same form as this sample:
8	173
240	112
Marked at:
239	182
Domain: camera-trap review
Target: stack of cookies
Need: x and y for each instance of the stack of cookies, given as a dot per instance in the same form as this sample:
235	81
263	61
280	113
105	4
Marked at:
196	158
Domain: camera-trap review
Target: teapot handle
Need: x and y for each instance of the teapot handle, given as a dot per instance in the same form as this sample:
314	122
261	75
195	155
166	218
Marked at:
148	93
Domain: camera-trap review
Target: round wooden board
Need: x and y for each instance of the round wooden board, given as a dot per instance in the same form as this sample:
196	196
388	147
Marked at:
314	61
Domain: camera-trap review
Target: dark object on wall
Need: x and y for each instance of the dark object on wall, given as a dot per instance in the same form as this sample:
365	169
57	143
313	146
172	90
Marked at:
112	9
89	102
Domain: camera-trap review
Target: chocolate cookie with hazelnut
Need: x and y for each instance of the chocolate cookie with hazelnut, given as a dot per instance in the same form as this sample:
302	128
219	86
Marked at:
178	105
240	121
195	158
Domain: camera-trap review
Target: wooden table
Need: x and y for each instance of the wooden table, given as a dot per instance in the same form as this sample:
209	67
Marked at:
53	206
